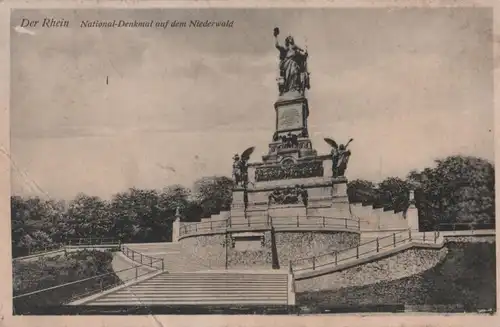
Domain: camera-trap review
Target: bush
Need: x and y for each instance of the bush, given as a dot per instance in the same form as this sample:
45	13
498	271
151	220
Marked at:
53	271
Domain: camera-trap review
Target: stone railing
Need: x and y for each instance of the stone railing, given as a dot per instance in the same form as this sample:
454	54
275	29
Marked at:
268	222
66	293
70	243
363	250
472	226
143	259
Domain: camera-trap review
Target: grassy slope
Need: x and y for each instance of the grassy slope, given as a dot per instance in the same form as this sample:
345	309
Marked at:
36	275
466	276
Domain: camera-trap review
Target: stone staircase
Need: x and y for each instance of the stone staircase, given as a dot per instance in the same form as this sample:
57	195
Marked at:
207	288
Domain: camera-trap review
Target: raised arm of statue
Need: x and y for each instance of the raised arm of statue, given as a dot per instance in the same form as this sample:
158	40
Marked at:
281	49
277	44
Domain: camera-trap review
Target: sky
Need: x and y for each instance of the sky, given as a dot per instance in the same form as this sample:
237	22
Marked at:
409	85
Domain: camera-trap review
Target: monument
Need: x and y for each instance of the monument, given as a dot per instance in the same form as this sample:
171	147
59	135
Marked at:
291	204
292	180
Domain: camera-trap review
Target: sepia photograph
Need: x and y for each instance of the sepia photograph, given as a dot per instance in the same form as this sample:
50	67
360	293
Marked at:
271	161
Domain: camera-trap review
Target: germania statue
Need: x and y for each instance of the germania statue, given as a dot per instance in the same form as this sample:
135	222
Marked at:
293	66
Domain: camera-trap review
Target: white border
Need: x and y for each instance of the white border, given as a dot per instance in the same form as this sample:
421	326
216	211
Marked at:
212	320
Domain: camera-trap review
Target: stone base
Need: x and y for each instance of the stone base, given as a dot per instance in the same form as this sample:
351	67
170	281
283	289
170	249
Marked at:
255	250
248	241
291	116
290	210
327	197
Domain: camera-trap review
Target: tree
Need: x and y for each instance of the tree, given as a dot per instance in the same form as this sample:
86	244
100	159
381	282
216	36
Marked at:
175	196
394	194
87	216
460	189
35	240
213	194
34	222
149	215
360	190
469	188
123	218
178	197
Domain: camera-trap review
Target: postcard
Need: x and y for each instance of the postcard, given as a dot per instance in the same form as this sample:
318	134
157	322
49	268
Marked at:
235	162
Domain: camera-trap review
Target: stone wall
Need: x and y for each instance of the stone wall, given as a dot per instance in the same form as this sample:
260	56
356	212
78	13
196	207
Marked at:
252	258
378	219
399	265
208	248
294	245
449	237
289	245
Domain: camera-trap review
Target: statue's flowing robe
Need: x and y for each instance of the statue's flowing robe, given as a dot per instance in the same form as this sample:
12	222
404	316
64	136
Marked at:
236	172
243	170
343	161
335	159
291	68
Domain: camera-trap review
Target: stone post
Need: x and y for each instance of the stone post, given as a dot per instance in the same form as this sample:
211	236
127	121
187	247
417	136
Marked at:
176	227
412	213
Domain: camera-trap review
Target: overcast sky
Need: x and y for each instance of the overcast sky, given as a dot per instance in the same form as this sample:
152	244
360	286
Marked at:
408	85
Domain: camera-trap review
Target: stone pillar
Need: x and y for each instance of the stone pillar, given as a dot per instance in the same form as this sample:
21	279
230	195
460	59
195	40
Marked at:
238	204
339	190
412	214
176	227
292	111
327	167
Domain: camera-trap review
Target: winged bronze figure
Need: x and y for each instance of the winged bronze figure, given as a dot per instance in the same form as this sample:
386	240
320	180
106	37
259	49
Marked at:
331	142
340	156
245	155
240	166
334	144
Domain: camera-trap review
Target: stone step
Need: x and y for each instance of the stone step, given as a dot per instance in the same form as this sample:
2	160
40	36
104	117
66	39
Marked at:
210	301
206	292
197	289
224	275
216	279
202	288
234	298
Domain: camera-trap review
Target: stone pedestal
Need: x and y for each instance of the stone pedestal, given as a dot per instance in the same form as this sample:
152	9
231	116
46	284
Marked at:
176	227
326	197
291	164
412	214
292	111
291	115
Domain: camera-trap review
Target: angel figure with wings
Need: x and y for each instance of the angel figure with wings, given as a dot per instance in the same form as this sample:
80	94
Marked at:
340	157
240	167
